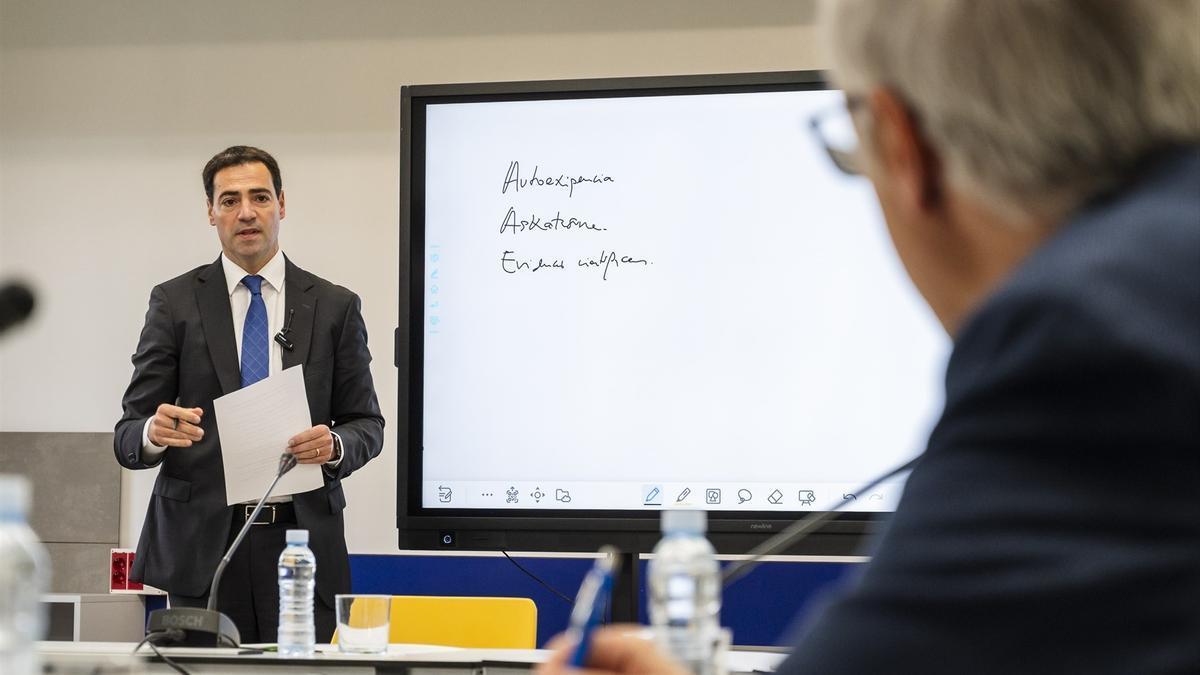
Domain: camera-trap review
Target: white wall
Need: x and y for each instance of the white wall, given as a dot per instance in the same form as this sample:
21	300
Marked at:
109	109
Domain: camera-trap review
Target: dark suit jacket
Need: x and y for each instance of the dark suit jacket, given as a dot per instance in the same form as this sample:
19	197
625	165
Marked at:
1053	523
187	353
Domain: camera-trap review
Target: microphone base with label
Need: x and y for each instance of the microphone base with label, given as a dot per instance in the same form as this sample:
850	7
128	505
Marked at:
201	627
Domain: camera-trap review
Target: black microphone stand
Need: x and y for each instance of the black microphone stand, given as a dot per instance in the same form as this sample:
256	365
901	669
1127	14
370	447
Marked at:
209	627
798	530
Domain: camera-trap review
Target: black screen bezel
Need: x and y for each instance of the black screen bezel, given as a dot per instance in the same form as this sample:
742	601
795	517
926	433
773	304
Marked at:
538	529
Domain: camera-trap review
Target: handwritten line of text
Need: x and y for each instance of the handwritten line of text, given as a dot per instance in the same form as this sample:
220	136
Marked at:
513	179
607	260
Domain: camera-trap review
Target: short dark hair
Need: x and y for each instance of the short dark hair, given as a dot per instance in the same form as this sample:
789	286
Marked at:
236	156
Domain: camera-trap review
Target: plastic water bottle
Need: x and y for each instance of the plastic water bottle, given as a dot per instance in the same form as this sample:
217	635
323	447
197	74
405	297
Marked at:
24	573
685	593
297	579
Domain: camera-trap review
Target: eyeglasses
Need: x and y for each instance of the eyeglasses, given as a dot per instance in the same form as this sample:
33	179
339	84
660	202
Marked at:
834	130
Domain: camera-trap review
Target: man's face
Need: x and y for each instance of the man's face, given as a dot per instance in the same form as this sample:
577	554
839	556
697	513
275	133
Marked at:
246	212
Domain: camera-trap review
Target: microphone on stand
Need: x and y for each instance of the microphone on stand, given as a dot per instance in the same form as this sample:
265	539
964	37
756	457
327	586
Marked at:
209	627
798	530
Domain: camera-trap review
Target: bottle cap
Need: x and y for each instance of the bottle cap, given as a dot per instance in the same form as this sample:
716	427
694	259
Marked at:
14	497
298	537
682	521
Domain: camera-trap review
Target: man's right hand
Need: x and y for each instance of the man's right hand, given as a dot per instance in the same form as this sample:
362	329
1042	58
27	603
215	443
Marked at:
175	427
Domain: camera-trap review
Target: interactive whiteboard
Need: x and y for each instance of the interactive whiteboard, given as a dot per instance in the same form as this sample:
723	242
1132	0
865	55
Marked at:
660	301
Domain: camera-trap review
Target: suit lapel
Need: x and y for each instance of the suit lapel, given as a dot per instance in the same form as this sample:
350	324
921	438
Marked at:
300	300
212	296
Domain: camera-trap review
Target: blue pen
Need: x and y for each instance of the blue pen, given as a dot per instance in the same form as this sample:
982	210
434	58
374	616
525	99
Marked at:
589	604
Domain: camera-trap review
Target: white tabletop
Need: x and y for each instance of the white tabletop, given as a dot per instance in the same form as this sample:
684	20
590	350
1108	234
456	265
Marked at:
410	658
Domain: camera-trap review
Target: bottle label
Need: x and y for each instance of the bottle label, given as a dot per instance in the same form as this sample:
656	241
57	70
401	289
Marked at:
681	600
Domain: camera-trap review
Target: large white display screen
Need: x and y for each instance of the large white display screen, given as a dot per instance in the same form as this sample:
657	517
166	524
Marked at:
662	301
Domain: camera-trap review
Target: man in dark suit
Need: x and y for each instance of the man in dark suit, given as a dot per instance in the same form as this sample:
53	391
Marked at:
207	333
1038	165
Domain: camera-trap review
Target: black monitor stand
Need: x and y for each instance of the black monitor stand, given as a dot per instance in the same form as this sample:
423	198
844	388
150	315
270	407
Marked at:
625	598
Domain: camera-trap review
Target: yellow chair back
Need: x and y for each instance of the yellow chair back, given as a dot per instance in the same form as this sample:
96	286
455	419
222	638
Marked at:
485	623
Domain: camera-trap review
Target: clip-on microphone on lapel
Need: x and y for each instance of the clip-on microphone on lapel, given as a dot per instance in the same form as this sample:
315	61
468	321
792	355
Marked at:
281	336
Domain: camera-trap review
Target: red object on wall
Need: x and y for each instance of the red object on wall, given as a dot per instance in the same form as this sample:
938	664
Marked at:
118	579
121	564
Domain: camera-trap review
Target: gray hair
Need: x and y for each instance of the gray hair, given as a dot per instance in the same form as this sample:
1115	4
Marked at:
1035	105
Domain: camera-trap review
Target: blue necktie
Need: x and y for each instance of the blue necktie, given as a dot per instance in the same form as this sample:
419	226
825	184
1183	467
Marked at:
256	349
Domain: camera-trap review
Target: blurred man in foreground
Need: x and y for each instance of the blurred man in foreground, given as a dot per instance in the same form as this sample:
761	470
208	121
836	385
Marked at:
1038	164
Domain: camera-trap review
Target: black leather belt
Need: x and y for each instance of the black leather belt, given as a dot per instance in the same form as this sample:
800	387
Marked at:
279	512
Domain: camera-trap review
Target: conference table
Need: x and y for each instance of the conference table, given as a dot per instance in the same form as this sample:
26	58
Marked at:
115	658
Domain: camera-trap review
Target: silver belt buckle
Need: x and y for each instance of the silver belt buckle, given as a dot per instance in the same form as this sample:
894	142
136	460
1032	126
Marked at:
250	511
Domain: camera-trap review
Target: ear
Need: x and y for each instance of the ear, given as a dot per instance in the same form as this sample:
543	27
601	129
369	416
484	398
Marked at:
903	151
282	206
212	217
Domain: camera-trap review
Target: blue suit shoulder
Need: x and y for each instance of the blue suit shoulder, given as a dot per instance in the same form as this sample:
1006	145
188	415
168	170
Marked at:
1125	271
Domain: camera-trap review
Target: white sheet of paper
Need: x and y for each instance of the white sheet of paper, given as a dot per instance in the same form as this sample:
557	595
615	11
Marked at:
255	424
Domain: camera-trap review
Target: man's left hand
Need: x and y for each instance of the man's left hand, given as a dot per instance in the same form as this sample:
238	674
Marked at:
314	446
